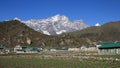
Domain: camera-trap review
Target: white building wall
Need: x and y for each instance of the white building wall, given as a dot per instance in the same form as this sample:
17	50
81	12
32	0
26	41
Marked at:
73	49
18	47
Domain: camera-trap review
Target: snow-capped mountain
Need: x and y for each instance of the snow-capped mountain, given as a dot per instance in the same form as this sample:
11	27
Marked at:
97	24
55	25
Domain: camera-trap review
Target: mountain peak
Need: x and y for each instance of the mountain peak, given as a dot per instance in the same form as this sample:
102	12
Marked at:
97	24
58	17
57	24
16	19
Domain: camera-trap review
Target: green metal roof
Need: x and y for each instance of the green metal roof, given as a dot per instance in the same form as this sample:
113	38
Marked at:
1	47
30	48
105	45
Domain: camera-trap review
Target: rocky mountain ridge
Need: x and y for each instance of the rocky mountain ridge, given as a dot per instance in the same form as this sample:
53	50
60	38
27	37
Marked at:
55	25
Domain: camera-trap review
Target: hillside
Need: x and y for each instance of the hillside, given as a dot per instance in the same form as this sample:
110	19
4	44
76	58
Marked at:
107	32
14	32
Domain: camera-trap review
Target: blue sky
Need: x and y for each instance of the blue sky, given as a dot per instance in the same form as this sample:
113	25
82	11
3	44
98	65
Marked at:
90	11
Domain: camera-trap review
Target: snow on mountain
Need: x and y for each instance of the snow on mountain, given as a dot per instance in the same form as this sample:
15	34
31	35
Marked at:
57	24
97	24
17	19
60	32
45	32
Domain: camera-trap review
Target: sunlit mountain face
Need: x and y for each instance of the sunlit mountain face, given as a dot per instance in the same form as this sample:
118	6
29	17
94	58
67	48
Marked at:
55	25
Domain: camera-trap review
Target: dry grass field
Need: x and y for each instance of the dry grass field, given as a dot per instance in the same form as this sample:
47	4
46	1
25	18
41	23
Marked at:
38	61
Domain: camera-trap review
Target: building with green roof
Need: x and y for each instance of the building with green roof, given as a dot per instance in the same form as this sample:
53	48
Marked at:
1	47
4	50
108	48
26	49
58	49
31	49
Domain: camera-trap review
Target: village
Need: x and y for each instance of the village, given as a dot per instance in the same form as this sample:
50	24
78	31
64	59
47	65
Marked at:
103	48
